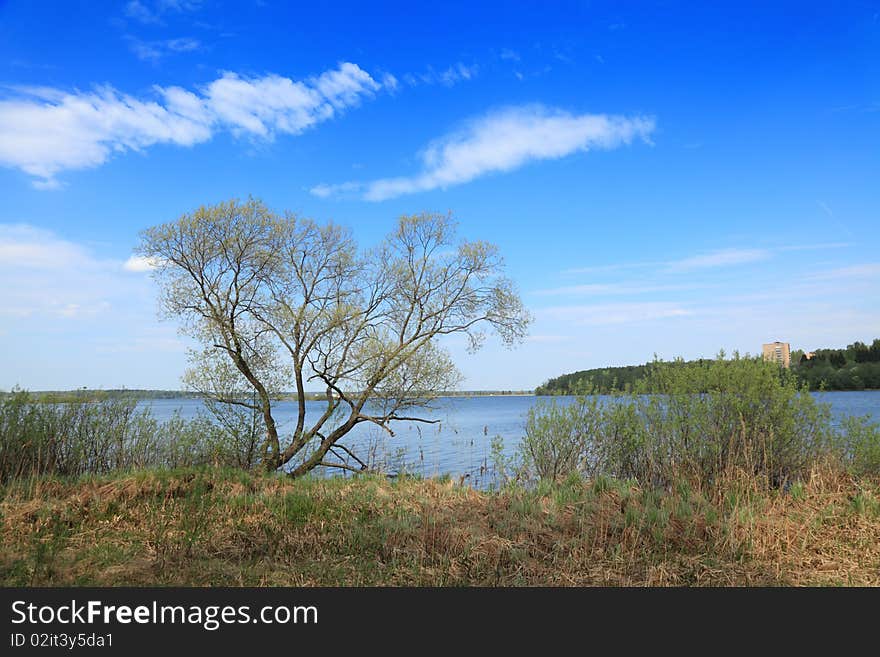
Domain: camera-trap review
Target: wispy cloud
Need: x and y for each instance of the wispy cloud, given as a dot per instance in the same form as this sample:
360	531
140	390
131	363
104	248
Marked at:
613	313
621	289
326	191
71	317
154	51
826	208
44	275
46	131
610	268
509	55
500	141
389	82
866	270
451	75
152	11
717	258
24	247
722	258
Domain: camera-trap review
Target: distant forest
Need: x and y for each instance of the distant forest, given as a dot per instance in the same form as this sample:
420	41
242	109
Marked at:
98	395
855	368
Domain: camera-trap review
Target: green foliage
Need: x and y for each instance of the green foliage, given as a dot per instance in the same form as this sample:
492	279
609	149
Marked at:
79	438
601	381
855	368
697	420
858	445
560	438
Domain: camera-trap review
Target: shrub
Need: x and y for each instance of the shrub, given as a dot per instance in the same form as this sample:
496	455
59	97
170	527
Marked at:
700	419
77	438
857	445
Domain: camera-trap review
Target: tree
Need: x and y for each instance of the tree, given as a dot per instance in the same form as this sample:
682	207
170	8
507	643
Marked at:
258	289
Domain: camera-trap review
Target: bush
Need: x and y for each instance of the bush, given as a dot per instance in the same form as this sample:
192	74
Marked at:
559	439
700	420
77	438
857	445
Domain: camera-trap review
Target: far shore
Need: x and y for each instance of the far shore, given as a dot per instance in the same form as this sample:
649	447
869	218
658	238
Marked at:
100	394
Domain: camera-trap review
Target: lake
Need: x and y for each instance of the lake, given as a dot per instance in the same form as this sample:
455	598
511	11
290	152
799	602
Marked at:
460	445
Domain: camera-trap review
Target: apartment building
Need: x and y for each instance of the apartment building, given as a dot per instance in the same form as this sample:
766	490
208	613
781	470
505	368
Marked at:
778	352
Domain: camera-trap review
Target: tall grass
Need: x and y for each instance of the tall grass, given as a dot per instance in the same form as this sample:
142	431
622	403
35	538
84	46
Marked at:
72	439
700	421
217	526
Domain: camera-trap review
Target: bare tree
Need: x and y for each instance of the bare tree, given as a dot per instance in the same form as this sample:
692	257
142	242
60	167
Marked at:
255	287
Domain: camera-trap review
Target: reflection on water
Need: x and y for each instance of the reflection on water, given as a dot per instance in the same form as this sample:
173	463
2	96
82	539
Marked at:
460	443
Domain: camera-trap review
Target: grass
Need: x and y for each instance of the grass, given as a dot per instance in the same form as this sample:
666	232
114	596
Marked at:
213	526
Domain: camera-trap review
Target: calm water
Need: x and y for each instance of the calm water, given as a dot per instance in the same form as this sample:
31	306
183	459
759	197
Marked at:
460	444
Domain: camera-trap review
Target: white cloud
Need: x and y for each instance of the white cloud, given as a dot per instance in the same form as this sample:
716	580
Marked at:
389	82
866	270
612	313
452	75
140	12
610	268
457	73
599	289
815	247
48	184
139	264
151	12
70	318
46	131
325	191
153	51
26	247
46	276
344	86
722	258
146	51
500	141
183	44
717	258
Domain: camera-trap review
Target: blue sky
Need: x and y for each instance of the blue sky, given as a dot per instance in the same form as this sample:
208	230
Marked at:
666	178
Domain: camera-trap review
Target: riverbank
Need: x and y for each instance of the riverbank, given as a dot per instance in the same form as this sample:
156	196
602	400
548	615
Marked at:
211	527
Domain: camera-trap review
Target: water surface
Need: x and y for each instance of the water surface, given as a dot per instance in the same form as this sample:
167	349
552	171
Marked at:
460	444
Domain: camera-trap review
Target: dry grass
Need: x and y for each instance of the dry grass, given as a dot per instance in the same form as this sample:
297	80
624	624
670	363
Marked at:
222	527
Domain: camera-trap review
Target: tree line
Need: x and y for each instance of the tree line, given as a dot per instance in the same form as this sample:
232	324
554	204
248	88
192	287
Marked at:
857	367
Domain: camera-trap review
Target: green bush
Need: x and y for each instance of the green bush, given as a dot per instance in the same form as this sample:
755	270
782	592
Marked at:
700	420
77	438
857	445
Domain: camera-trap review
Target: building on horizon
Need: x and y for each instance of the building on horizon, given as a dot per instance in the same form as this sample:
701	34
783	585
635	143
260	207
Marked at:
778	352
